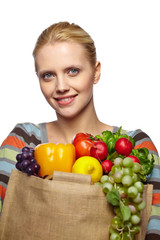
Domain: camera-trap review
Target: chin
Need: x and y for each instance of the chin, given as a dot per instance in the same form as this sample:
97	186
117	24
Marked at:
68	115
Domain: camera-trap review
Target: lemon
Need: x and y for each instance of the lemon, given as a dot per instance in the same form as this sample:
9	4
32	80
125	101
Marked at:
88	165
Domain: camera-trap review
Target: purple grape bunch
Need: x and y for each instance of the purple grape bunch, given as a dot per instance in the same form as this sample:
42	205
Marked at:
26	162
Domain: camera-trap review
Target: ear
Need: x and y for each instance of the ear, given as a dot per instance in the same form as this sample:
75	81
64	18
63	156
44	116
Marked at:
97	72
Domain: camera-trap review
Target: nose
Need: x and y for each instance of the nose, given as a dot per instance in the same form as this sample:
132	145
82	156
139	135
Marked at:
61	85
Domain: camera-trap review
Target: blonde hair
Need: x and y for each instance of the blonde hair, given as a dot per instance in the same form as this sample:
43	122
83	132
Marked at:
64	31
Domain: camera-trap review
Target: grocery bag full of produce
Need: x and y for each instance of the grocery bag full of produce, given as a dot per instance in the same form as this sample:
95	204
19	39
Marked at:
67	208
97	191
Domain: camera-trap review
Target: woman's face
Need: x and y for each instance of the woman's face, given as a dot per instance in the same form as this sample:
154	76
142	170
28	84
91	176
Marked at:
66	77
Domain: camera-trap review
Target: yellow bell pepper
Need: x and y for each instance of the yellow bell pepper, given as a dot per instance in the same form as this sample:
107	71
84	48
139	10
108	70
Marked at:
54	157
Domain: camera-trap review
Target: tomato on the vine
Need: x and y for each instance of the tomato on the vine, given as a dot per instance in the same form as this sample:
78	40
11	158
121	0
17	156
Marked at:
86	145
83	144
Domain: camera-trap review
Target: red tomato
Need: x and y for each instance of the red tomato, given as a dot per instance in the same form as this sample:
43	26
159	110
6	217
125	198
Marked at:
86	145
83	143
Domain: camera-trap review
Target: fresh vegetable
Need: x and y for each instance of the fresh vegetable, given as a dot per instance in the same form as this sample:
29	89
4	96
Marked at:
107	165
83	143
146	160
141	153
87	145
58	157
119	147
123	146
99	150
110	139
125	170
88	165
134	158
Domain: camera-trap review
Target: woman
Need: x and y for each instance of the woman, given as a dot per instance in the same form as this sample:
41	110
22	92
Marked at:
67	68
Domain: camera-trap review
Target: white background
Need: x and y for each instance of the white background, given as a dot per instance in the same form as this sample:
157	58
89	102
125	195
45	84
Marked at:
127	37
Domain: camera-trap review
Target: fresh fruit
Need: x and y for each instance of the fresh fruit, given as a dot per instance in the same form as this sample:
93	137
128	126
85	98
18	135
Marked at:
107	165
104	179
87	145
124	169
88	165
127	236
134	177
135	219
134	158
127	181
54	157
132	192
107	187
139	185
116	223
26	162
136	167
127	162
138	199
128	171
99	150
115	236
118	161
123	146
135	229
83	143
141	205
133	208
124	192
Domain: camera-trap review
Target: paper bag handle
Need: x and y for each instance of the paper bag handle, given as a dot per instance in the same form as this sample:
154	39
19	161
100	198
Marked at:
72	177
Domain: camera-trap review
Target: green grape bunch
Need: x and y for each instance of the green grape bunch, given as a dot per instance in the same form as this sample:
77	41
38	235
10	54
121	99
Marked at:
124	190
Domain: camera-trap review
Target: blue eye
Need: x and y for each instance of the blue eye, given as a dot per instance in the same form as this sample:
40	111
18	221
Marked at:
73	71
47	76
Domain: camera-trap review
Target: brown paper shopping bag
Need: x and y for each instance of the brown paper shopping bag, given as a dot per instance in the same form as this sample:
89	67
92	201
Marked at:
68	207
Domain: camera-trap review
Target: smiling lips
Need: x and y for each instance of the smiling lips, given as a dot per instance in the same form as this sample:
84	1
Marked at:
65	100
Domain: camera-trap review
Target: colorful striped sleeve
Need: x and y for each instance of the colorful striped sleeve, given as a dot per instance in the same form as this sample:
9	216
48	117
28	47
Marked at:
25	134
143	140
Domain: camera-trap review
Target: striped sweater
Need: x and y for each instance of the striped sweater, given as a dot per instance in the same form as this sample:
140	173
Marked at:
29	134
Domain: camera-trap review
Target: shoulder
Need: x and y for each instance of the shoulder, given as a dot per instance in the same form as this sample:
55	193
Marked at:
141	138
27	127
25	134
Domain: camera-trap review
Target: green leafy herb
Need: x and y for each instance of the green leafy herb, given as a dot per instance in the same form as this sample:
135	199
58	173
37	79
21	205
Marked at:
146	162
125	212
113	197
